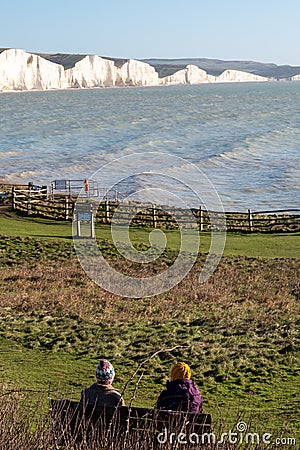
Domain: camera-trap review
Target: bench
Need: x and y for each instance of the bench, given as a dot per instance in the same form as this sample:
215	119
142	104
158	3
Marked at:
74	422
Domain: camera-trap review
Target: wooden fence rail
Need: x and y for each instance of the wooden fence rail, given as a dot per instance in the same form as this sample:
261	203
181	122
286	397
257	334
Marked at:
38	203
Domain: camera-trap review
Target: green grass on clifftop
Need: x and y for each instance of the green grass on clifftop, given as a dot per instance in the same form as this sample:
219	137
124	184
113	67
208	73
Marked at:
255	245
239	330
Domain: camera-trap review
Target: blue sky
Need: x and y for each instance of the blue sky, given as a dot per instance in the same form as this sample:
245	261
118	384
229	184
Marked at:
260	30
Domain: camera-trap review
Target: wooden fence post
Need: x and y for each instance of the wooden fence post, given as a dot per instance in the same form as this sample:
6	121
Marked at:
106	211
154	218
92	224
78	228
201	218
28	204
66	208
13	198
250	222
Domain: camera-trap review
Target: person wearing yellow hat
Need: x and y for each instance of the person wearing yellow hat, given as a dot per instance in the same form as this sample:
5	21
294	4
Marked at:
181	393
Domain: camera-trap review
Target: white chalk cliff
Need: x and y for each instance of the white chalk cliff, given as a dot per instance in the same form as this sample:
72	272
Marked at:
91	71
136	73
22	71
237	76
296	78
190	75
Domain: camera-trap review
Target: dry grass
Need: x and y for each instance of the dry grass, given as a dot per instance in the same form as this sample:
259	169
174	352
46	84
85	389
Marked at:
25	425
238	284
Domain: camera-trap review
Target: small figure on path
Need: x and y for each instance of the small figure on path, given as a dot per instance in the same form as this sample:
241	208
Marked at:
102	392
86	185
181	392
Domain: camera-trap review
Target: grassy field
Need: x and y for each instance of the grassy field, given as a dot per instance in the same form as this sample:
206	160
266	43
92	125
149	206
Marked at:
280	245
239	330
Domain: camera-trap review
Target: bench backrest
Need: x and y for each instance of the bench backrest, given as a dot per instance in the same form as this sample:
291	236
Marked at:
76	418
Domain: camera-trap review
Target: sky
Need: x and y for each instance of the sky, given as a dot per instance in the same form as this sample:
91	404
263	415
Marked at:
257	30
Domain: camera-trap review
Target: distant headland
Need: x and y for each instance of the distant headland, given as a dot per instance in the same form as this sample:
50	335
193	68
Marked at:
23	71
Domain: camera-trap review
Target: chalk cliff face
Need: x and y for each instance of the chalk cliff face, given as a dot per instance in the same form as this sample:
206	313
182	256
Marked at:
193	75
296	78
190	75
24	71
136	73
91	71
237	76
20	70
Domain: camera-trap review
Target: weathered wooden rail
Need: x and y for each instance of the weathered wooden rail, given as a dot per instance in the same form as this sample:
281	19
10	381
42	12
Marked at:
38	202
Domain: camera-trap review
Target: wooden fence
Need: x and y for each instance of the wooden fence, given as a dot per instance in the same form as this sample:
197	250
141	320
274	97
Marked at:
38	203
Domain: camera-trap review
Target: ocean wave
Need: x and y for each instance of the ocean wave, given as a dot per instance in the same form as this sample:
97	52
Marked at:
246	144
6	154
27	175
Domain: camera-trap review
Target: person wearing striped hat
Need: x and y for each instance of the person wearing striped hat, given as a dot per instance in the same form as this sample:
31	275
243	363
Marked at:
181	393
102	392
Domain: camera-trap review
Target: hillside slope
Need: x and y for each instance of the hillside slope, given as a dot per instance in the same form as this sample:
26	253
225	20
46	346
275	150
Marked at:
167	67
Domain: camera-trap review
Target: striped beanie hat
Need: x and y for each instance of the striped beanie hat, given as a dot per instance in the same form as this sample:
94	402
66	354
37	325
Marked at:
105	372
180	371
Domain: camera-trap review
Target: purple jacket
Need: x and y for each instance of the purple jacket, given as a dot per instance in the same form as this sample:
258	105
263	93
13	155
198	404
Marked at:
181	395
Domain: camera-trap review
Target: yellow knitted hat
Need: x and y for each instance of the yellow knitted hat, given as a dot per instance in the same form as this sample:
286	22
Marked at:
180	371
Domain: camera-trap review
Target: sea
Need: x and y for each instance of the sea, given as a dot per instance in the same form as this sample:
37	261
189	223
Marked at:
240	140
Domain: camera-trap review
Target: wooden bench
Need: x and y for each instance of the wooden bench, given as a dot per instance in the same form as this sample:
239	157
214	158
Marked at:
74	422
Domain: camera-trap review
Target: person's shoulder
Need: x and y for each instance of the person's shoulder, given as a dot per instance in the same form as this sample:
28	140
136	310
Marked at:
109	389
90	390
184	386
115	391
194	390
195	385
115	394
91	387
173	387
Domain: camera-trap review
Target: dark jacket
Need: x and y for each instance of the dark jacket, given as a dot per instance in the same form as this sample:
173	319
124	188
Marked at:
102	395
181	395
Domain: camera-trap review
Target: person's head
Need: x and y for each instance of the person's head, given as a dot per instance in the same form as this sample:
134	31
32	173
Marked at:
105	373
180	371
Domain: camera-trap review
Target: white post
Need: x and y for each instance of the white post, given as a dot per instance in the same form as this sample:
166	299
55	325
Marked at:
92	224
154	222
106	211
13	198
250	222
78	227
201	218
67	208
